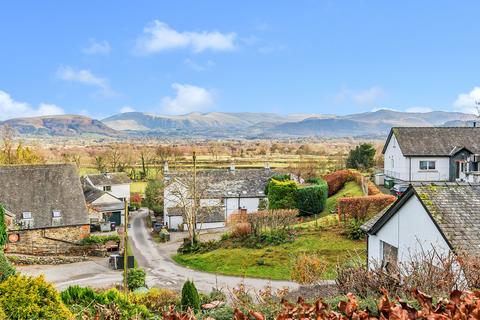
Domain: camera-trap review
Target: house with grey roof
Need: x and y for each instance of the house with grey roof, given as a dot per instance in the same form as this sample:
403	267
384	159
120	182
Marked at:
103	206
46	208
222	191
115	183
432	154
444	217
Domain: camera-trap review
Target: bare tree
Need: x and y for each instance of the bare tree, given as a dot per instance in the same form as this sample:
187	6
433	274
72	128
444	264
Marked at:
189	193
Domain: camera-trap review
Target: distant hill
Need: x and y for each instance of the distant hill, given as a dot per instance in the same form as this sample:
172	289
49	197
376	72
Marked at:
62	125
235	125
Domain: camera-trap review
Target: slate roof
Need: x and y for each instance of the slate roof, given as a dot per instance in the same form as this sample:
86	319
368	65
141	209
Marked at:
109	179
454	208
41	189
208	215
225	183
91	194
435	141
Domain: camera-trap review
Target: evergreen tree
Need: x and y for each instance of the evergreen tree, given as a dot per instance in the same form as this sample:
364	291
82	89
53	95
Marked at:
362	157
190	296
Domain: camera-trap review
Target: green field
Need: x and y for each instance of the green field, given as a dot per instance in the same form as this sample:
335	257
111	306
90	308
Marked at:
275	262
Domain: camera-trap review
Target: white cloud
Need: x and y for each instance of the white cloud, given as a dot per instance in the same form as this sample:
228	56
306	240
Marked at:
126	109
368	96
188	98
97	47
10	108
197	66
467	102
85	77
419	109
158	37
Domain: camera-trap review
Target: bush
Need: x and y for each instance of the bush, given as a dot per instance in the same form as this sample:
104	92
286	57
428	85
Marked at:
223	313
24	297
308	269
373	189
136	278
6	269
282	194
190	296
312	199
362	208
362	157
3	228
92	304
93	239
353	230
154	196
156	300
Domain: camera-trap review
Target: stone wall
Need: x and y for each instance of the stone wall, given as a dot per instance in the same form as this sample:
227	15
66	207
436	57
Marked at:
51	241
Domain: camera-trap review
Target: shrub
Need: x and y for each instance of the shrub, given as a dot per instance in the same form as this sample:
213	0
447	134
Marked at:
154	196
362	157
242	229
312	199
111	304
223	313
373	189
136	278
3	228
156	300
24	297
362	208
6	269
353	230
282	194
190	296
308	269
336	180
93	239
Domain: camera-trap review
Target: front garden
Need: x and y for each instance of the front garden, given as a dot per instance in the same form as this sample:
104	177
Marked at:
314	230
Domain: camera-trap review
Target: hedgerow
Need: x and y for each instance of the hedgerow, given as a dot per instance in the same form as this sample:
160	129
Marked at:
336	180
93	239
312	199
282	194
362	208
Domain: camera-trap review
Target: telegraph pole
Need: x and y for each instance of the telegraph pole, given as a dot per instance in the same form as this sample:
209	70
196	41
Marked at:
194	213
125	251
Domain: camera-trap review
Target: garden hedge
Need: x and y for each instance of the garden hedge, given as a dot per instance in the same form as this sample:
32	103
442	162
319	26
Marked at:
362	208
336	180
312	199
282	194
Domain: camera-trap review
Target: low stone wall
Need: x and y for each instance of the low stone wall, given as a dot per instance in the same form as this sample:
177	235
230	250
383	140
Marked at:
24	260
52	241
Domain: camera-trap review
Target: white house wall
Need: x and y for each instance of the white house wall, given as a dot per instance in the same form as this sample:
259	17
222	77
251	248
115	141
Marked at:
410	230
251	204
121	191
396	165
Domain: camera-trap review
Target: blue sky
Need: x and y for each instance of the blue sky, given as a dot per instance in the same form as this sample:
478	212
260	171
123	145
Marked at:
102	57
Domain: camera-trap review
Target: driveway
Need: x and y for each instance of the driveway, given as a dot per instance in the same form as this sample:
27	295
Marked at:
162	271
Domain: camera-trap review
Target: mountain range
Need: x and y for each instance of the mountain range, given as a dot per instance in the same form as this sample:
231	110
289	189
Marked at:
234	125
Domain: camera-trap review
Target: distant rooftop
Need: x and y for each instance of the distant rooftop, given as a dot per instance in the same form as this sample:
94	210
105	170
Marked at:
108	179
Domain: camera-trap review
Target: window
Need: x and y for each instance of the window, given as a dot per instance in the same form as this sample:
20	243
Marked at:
56	214
107	188
393	163
26	215
27	220
427	165
56	218
389	255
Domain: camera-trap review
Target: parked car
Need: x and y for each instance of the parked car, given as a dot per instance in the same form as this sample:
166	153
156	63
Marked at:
399	189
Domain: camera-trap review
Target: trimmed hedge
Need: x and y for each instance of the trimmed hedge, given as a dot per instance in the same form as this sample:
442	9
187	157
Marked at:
362	208
336	180
282	194
312	199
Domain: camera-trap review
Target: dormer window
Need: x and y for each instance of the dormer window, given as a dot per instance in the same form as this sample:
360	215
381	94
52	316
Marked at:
107	188
26	215
27	220
56	217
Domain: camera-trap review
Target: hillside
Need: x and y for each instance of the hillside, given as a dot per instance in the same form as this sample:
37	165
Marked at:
62	125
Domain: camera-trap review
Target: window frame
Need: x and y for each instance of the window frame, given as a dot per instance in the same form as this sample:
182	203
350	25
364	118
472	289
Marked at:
107	188
427	165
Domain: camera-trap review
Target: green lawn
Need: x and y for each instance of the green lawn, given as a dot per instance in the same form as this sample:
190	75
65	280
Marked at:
322	236
277	260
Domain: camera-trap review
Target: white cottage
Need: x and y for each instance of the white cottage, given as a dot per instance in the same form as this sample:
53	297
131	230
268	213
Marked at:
103	206
441	216
432	154
220	192
116	184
